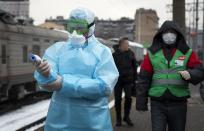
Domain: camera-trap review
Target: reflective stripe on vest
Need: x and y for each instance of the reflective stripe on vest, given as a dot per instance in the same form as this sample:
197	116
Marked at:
166	71
169	82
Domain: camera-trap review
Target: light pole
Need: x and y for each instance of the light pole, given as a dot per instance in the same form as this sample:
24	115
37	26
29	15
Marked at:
203	33
179	13
196	29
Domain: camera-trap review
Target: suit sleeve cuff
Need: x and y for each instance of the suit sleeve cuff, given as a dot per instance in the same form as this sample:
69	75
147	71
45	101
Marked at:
45	80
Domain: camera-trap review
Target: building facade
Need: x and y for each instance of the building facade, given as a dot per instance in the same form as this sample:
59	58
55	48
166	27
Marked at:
59	20
51	25
107	29
18	8
146	25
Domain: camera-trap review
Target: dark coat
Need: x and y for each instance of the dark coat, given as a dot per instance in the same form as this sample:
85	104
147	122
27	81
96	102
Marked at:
126	64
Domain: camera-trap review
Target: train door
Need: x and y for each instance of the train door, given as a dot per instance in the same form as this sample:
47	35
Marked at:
3	68
4	60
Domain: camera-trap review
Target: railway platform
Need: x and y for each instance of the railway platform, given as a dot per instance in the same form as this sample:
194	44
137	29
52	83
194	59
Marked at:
195	116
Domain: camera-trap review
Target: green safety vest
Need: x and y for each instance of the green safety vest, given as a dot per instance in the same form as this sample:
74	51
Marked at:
165	77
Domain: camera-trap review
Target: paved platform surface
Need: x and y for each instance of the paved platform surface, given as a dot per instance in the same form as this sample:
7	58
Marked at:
195	116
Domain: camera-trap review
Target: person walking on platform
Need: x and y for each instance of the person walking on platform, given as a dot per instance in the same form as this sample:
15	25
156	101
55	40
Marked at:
82	74
166	71
127	66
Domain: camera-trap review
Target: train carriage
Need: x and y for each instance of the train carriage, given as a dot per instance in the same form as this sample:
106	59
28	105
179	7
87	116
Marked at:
16	71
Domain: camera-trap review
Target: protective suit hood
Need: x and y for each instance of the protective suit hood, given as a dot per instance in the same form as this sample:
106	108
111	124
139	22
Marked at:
84	14
158	42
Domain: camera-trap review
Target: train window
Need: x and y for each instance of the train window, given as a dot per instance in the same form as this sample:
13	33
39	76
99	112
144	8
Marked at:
25	54
47	40
36	39
36	49
3	51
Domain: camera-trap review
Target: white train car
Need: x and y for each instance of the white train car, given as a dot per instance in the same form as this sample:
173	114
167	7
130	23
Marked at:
16	42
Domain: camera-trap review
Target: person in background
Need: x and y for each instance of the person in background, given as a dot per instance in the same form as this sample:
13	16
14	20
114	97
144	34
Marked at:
166	71
127	66
81	73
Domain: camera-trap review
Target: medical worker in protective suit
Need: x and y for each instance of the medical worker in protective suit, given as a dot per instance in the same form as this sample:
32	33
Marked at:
166	71
82	74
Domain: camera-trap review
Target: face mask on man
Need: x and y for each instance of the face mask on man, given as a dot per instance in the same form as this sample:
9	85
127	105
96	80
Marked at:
169	38
77	40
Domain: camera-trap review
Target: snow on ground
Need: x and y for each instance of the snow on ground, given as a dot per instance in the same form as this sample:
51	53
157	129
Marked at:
27	115
24	116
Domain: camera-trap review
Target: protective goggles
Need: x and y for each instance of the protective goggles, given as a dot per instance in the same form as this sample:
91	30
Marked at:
80	26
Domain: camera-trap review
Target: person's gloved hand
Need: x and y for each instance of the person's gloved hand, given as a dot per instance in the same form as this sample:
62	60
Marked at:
56	85
43	68
185	74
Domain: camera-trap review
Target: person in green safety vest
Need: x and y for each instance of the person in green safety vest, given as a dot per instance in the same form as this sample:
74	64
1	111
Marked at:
169	66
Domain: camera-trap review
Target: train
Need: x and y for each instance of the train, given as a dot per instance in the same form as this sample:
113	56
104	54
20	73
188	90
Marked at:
17	41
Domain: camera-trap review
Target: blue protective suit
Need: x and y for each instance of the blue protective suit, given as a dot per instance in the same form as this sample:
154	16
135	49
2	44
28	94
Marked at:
89	75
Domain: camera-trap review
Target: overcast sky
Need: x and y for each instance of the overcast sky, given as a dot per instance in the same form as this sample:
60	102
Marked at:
114	9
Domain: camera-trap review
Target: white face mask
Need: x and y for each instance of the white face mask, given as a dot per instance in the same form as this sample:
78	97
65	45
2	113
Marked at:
76	40
169	38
